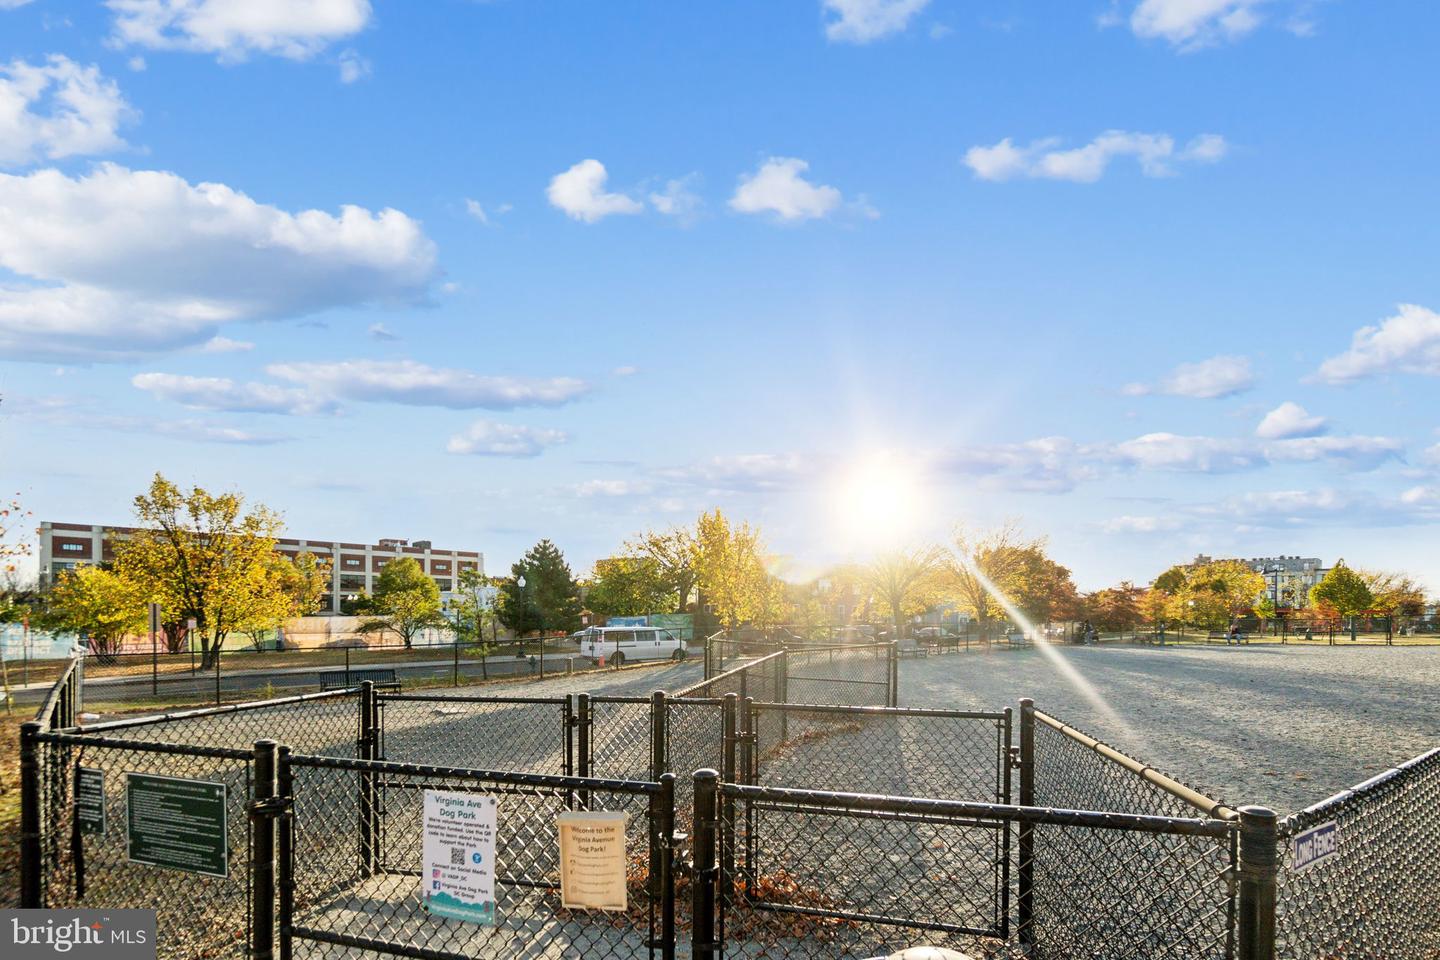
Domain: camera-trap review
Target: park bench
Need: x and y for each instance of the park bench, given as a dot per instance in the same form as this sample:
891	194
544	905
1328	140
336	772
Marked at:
910	647
1017	638
383	678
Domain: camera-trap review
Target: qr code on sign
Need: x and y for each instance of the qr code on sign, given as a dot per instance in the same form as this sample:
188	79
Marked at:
457	856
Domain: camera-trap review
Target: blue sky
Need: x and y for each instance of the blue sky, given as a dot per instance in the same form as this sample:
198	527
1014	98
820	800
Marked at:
487	272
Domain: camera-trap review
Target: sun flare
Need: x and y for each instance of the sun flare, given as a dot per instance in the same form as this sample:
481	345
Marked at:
876	502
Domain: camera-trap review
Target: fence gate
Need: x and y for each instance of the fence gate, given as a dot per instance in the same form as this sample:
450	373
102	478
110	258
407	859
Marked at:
358	869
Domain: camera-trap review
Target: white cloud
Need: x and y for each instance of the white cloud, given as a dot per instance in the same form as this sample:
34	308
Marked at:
235	29
1289	420
490	439
1169	451
1212	379
1352	452
580	193
476	210
1140	524
416	384
861	21
777	187
57	109
678	199
12	4
378	331
612	488
125	262
219	344
746	472
353	67
1408	342
67	413
1155	153
1043	465
1190	24
625	371
219	393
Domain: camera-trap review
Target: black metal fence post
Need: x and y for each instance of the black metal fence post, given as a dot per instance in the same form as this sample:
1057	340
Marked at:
347	666
31	888
782	693
1259	864
365	746
662	854
1025	874
659	762
217	675
583	760
455	664
262	855
285	851
703	942
893	676
731	741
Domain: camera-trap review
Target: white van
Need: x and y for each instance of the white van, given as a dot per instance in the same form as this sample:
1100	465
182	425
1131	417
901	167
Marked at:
618	645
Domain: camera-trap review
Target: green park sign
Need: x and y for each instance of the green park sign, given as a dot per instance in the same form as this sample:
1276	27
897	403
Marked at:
177	824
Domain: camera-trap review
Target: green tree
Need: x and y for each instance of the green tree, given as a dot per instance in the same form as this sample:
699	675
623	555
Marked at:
628	587
674	553
906	581
1346	591
1113	608
202	556
100	604
549	598
476	622
1172	581
405	602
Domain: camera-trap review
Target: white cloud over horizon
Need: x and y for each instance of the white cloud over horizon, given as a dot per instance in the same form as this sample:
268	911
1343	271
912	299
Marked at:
1408	342
1288	421
233	30
222	393
411	383
580	192
778	187
121	263
1192	24
1155	153
487	438
1212	379
58	108
863	21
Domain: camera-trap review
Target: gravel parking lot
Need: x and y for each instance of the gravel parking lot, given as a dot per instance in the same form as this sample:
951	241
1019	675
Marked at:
1280	725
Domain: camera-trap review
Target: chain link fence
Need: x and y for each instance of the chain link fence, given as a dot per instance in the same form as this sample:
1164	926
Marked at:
1359	872
368	892
484	733
88	859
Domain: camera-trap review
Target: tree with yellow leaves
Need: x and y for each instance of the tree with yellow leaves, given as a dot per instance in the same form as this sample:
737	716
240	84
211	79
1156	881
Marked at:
204	556
905	581
731	572
100	604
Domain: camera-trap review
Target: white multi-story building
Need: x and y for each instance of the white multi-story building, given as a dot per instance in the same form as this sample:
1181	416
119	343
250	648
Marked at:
354	566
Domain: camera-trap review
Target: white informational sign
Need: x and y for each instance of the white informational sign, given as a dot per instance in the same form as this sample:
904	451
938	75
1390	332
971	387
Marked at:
457	879
1314	845
592	860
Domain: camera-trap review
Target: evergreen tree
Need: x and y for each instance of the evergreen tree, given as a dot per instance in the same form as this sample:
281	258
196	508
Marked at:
549	600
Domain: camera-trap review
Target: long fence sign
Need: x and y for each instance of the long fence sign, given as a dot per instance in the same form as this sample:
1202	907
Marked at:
1314	845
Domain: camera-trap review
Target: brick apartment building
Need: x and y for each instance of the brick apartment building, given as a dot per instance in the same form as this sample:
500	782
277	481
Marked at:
354	565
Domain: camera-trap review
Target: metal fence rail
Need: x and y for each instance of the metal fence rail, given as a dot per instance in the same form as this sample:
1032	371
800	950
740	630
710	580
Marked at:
901	751
1360	873
340	896
808	874
486	733
852	675
323	723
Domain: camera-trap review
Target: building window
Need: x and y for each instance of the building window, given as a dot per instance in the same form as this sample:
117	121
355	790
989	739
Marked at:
74	548
352	562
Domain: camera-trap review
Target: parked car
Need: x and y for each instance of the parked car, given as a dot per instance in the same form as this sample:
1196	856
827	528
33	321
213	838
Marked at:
619	645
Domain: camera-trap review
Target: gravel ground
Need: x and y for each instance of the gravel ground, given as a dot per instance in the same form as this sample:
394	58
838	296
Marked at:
1281	726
